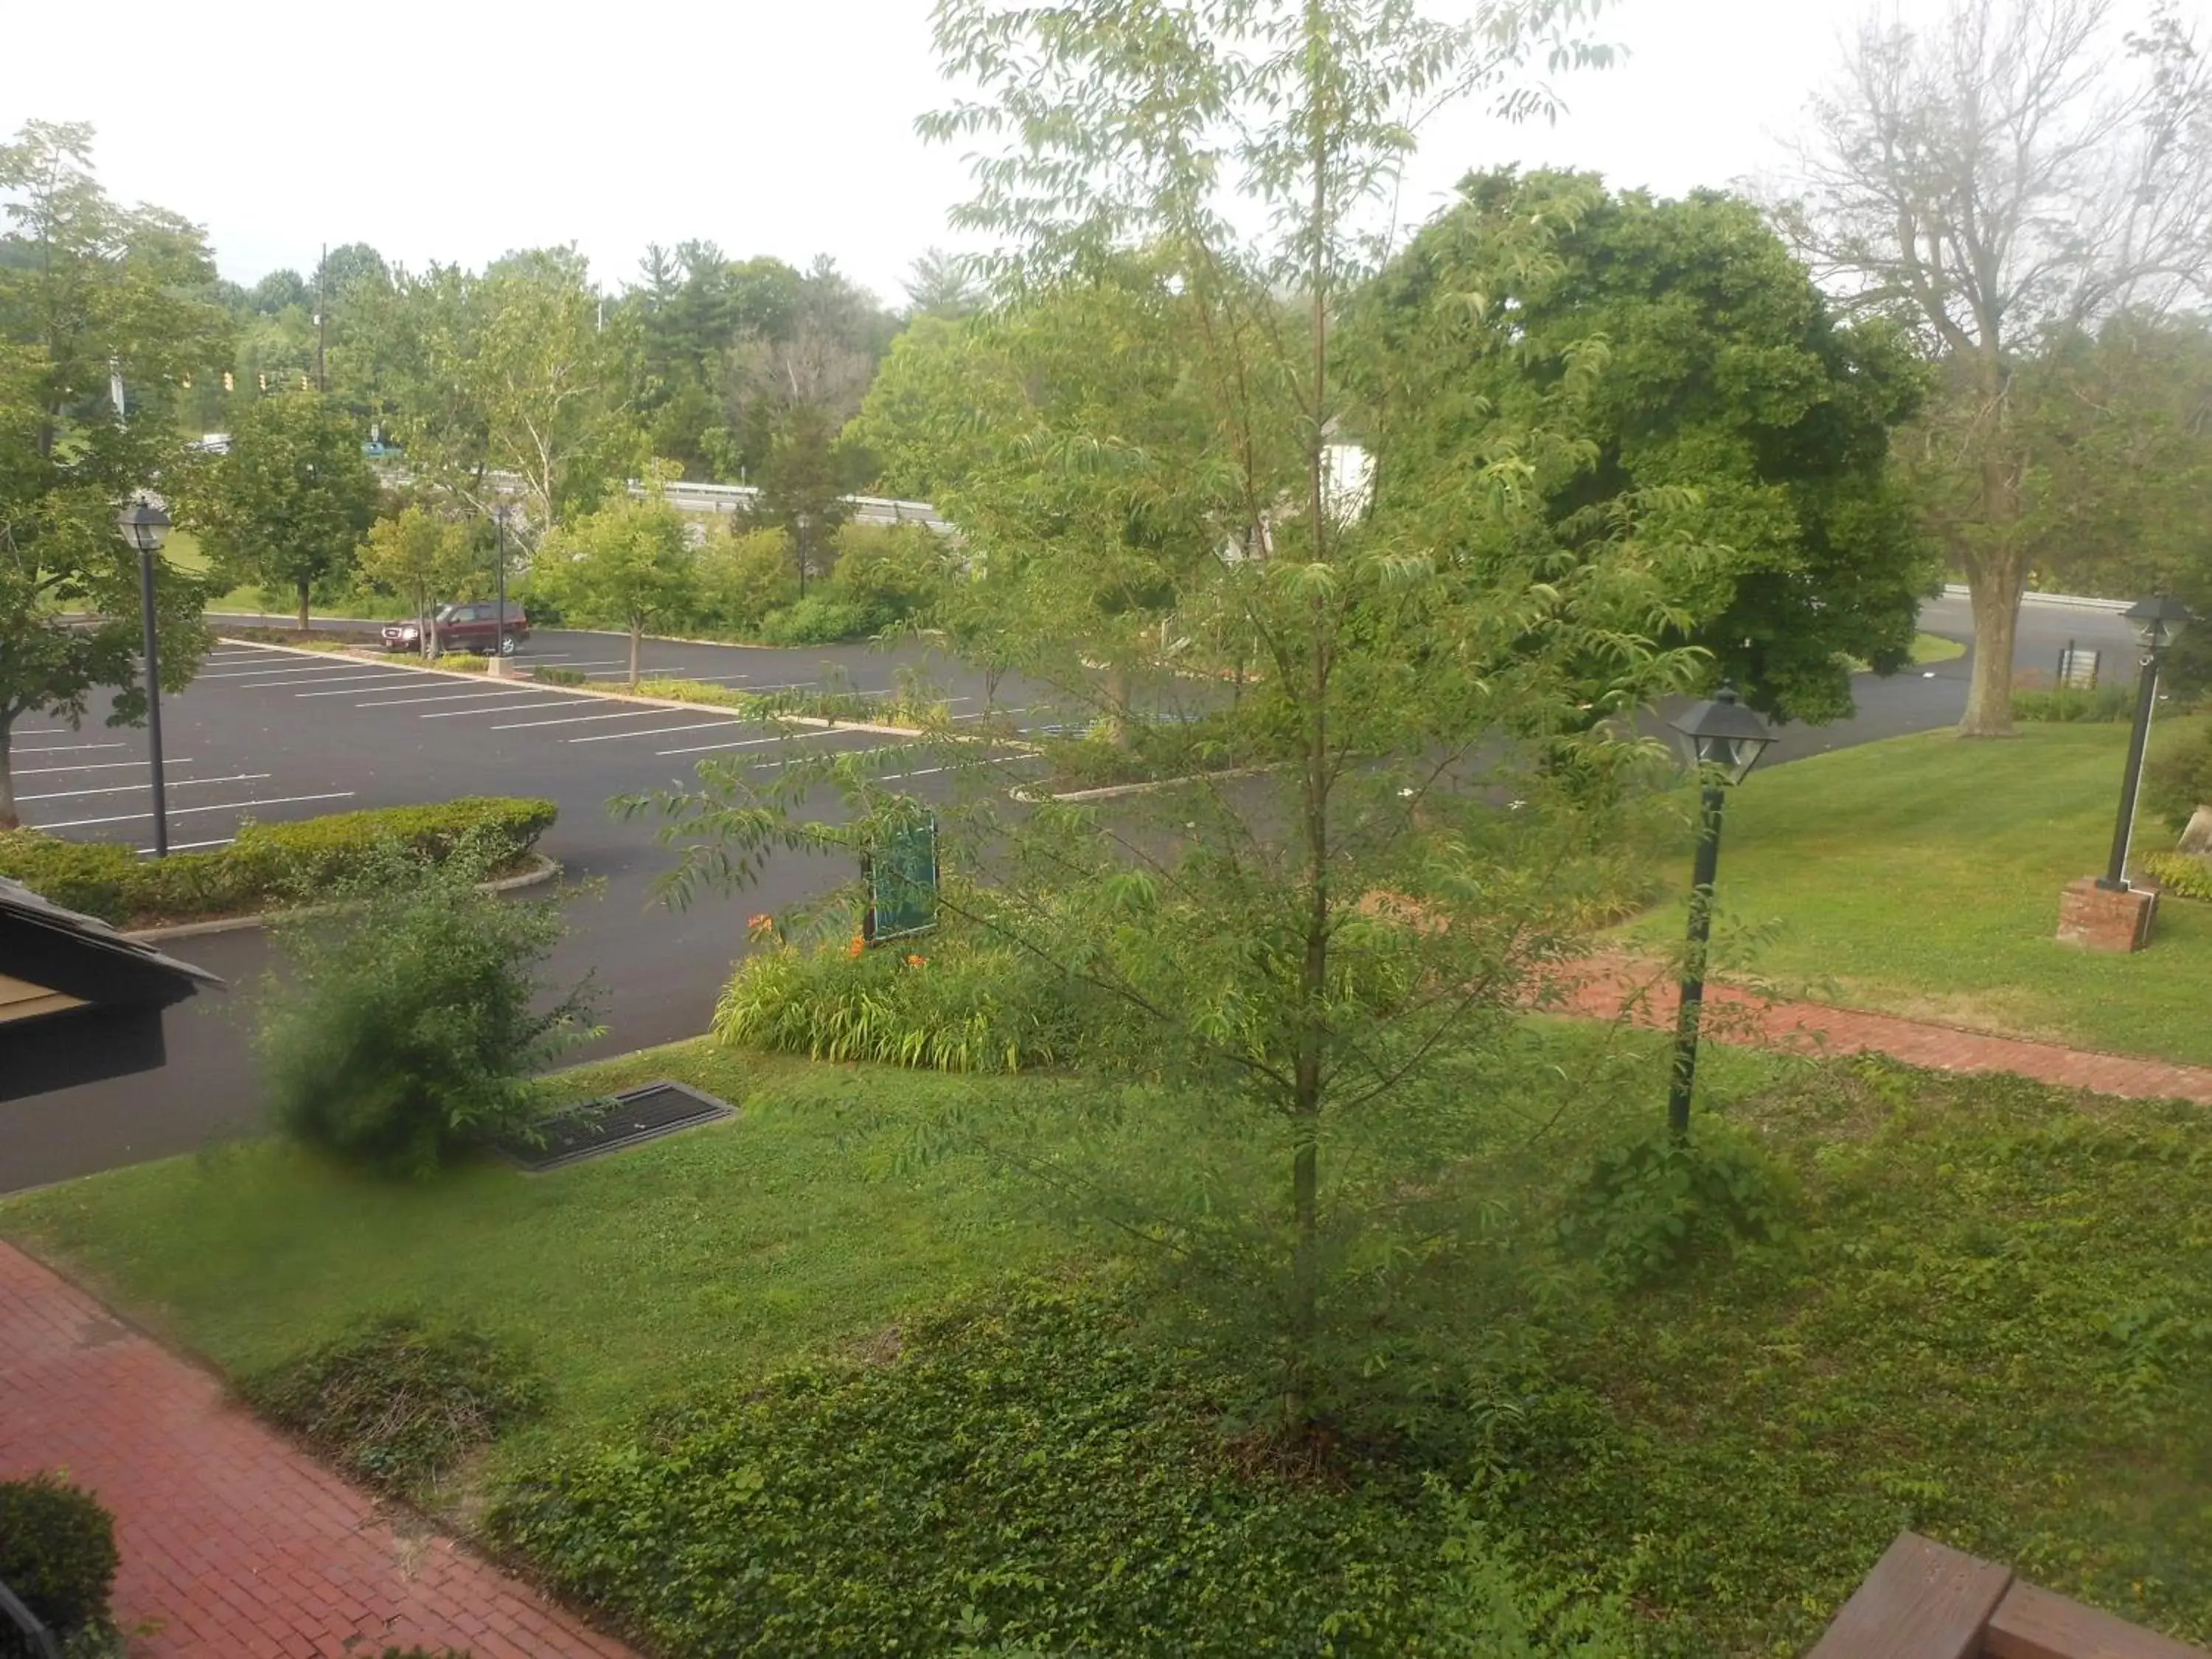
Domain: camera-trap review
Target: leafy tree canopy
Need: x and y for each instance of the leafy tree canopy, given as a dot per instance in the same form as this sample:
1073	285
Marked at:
1678	356
290	500
91	295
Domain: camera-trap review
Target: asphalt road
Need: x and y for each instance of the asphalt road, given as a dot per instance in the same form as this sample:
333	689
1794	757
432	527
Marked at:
278	735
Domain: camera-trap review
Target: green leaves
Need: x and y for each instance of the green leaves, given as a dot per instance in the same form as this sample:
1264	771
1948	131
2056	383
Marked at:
288	503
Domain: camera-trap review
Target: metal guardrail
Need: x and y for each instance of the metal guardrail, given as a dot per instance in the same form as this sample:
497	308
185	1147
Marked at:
21	1635
2057	601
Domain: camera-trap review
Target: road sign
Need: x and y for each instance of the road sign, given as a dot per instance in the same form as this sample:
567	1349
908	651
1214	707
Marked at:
902	877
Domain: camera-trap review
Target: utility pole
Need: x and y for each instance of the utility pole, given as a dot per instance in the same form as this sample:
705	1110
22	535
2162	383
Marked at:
322	317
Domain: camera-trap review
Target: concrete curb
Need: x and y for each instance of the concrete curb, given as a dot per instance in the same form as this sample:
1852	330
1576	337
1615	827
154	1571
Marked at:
543	869
1116	791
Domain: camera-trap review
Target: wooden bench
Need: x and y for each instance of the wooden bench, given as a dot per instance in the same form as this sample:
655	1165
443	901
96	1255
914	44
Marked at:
1923	1601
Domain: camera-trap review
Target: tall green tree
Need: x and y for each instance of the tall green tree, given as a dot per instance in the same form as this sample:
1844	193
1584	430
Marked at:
628	565
1311	961
1995	179
423	558
288	503
93	297
1687	359
803	484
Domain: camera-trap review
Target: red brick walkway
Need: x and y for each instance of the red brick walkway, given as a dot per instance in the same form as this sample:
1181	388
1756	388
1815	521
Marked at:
233	1543
1604	988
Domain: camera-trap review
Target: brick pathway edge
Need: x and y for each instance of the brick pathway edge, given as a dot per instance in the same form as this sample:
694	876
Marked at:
233	1540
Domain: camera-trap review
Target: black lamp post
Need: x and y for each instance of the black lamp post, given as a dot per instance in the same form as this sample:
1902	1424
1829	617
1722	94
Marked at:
143	525
500	645
2158	622
1723	740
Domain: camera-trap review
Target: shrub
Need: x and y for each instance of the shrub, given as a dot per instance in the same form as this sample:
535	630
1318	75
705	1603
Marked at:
98	878
2178	873
888	573
56	1551
2179	782
818	621
1646	1208
398	1402
935	1005
268	863
2103	706
546	674
407	1026
742	578
461	662
1023	1477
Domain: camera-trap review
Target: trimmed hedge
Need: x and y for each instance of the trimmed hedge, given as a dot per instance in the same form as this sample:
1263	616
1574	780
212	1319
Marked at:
269	863
56	1551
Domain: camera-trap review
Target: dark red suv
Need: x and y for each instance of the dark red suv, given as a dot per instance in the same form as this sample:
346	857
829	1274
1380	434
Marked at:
466	628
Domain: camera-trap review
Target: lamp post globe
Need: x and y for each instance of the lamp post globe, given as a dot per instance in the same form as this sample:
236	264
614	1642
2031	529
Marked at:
144	525
1721	740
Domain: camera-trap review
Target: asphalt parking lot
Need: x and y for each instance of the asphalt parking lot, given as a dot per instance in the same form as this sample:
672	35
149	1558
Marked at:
274	734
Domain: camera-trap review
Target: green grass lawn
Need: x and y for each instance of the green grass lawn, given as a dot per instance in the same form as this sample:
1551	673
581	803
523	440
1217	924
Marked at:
695	1259
1931	648
1922	876
1990	1324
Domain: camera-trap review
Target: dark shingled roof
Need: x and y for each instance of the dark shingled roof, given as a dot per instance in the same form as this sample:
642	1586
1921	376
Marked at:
19	905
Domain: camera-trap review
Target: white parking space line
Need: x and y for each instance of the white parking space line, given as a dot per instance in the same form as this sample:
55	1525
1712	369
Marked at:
578	719
96	766
179	812
388	681
446	697
749	743
657	731
274	672
373	676
986	713
190	846
770	766
500	709
126	788
66	748
597	662
677	674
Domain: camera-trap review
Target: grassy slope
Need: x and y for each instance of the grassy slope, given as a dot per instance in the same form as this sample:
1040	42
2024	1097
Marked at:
1990	1329
1922	876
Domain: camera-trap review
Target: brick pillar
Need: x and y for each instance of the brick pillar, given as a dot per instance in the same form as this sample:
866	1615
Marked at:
2097	918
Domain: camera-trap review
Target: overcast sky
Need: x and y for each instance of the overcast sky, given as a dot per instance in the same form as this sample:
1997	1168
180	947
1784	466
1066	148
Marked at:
455	130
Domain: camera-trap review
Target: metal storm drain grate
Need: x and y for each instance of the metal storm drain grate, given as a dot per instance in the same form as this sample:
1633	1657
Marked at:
620	1121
